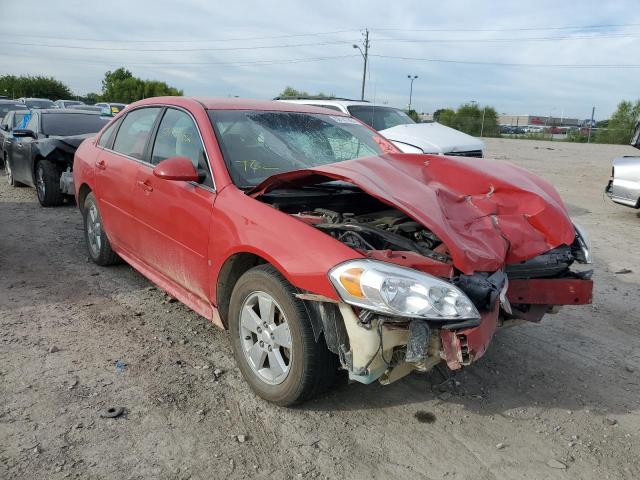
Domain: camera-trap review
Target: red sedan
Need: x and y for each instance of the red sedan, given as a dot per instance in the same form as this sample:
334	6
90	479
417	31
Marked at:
318	244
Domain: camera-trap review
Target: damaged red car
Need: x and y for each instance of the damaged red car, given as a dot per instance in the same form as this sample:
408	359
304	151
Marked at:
318	244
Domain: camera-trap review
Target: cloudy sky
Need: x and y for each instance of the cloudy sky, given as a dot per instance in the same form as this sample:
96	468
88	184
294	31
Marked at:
520	57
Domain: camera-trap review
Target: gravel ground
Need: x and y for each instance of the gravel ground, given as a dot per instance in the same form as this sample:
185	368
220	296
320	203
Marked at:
552	401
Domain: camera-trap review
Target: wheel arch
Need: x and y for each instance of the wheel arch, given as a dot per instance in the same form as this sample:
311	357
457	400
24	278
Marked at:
232	269
83	191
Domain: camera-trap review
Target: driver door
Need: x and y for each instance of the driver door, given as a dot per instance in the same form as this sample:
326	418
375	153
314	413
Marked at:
173	216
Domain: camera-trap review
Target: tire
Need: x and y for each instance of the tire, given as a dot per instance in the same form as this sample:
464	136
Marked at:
98	244
9	173
311	367
48	184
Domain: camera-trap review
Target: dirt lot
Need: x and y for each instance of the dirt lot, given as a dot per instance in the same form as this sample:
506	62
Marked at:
564	391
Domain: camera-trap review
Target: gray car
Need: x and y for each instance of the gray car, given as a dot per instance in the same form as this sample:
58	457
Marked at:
624	185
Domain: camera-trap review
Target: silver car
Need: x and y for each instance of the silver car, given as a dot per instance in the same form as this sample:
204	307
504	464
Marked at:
624	185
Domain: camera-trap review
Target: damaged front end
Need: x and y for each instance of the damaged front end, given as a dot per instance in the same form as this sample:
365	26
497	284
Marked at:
411	299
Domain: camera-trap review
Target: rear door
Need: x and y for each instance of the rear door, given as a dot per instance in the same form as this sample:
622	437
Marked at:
173	216
123	148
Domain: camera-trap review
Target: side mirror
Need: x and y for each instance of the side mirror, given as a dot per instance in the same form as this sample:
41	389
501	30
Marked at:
24	132
176	168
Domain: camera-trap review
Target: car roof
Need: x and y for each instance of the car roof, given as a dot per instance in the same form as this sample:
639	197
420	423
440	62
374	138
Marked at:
34	98
5	101
210	103
338	102
65	111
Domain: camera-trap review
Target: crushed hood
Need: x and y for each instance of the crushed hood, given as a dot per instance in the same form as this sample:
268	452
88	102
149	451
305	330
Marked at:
433	137
488	213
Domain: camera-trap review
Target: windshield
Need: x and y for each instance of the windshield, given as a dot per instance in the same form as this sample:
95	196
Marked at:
39	103
66	124
380	118
68	103
8	107
259	144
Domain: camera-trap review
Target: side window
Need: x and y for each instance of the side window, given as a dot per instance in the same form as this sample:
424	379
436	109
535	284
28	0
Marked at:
134	132
107	136
178	137
32	124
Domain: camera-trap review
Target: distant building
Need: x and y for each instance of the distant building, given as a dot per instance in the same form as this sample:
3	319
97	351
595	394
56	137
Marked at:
541	120
426	117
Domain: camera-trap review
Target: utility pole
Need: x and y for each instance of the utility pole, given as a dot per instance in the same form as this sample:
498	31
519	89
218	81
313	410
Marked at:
411	78
484	110
365	56
593	111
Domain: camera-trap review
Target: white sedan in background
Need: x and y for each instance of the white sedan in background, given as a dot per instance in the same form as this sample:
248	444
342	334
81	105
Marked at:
397	126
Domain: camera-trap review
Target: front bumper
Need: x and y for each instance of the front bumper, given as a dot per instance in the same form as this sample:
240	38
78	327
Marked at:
462	347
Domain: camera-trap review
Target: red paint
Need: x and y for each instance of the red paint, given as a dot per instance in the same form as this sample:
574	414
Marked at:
413	260
550	291
176	168
462	347
486	212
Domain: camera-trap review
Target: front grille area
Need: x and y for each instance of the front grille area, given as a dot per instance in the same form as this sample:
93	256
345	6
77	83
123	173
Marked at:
468	153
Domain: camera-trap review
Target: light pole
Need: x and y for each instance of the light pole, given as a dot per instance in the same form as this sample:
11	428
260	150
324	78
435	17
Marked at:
411	78
365	56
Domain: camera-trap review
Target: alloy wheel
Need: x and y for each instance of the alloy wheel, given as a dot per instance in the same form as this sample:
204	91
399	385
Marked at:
40	184
265	338
94	230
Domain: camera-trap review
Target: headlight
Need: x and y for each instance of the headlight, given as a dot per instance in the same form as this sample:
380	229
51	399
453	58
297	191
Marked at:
398	291
583	255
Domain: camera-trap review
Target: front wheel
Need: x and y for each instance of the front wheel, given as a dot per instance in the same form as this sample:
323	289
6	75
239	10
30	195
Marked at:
273	340
48	184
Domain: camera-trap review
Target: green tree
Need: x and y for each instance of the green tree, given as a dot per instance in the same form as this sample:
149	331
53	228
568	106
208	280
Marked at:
621	124
33	86
414	115
469	119
292	92
445	116
121	86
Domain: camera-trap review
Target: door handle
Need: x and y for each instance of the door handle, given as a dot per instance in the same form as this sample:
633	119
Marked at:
101	164
146	186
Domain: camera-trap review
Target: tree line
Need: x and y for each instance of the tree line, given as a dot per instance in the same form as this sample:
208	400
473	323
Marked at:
118	86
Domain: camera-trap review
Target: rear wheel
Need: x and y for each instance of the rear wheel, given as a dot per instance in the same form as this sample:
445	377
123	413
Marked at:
48	184
273	340
97	242
9	172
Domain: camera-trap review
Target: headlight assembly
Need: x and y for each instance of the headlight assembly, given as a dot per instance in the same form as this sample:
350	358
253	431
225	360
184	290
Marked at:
397	291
